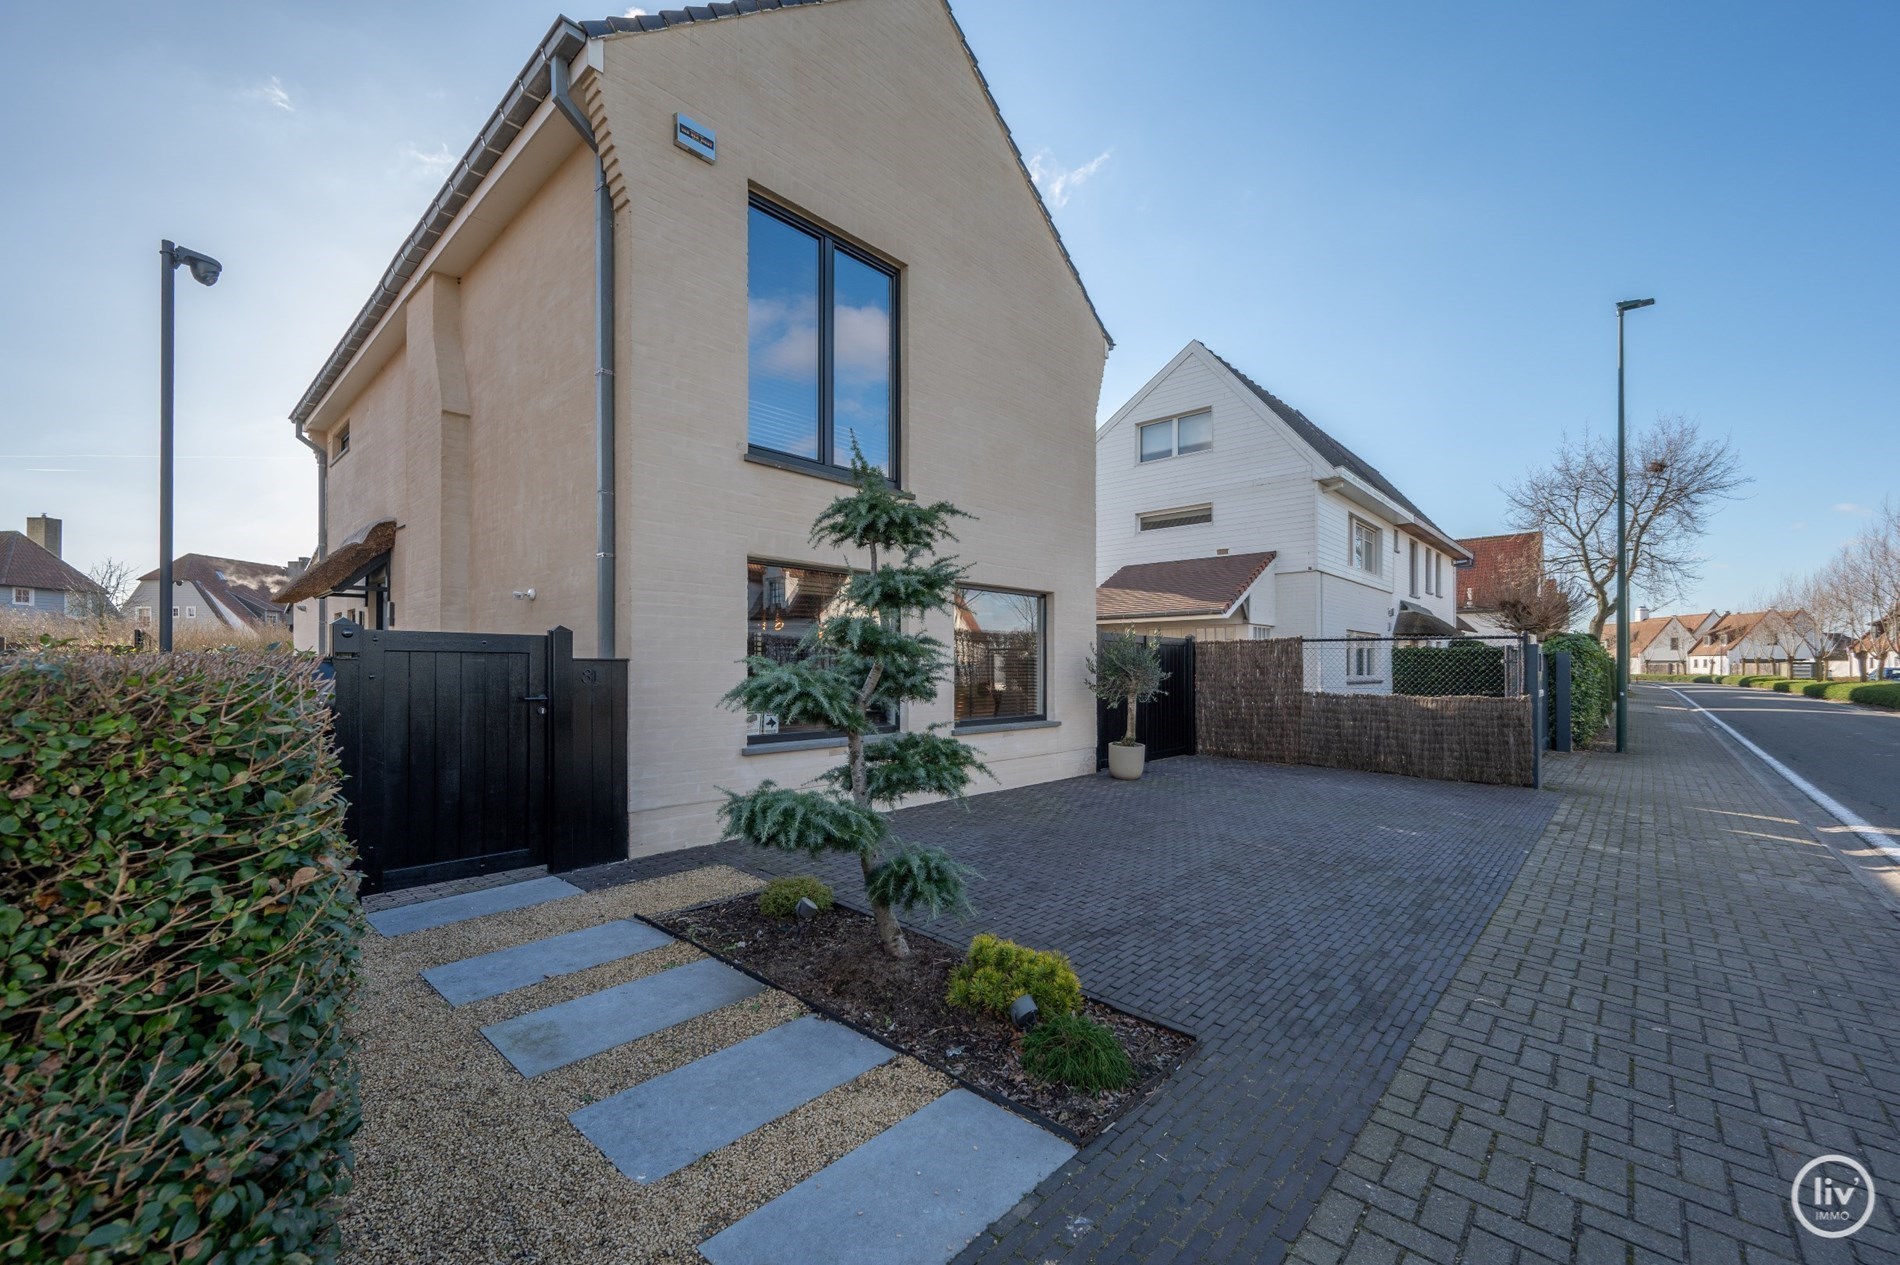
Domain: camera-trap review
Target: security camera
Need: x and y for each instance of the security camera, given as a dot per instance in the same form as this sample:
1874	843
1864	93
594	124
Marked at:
204	269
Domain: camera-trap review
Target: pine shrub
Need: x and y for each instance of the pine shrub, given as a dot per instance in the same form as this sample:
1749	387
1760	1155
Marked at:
781	896
1076	1051
995	972
178	939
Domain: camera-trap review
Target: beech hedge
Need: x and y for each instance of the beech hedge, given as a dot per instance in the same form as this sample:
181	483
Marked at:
179	932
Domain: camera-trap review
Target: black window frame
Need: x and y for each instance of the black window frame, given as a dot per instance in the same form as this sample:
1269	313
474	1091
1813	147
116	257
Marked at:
808	736
829	244
1042	664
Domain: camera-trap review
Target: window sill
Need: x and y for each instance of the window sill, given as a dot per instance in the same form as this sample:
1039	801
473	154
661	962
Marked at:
805	744
1004	726
800	465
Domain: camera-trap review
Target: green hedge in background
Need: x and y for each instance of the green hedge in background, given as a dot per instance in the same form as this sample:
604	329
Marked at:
1462	667
179	936
1592	685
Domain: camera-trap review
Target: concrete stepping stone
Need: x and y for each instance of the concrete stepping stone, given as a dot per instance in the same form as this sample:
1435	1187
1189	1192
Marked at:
490	900
505	970
662	1125
915	1194
555	1036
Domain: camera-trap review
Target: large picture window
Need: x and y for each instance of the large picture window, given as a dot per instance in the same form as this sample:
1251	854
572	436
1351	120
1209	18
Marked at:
783	606
821	345
999	636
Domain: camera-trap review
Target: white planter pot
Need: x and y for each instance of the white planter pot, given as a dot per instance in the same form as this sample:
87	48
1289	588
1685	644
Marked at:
1126	762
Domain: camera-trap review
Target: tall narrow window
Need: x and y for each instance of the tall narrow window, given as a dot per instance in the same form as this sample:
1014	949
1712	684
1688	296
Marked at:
999	656
1365	546
821	345
1415	570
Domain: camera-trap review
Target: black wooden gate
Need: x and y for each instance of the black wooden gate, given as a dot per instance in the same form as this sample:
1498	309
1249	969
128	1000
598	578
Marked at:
467	753
1165	725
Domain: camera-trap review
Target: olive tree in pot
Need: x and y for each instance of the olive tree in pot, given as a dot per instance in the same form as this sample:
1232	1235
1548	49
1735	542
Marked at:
1126	669
854	670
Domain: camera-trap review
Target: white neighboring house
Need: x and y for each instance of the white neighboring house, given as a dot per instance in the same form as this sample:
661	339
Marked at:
1662	644
216	592
1224	513
1764	643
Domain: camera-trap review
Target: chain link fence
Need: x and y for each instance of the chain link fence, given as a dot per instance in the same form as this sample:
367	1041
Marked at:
1463	667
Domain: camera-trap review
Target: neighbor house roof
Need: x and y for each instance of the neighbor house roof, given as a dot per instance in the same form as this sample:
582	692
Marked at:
33	566
348	561
239	586
1642	632
1495	562
564	40
1174	590
1728	630
1332	451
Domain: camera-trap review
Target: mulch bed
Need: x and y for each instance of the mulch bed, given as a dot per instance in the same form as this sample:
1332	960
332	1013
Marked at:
834	964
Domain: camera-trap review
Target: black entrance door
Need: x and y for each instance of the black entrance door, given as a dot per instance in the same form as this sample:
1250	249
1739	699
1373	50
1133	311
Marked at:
444	743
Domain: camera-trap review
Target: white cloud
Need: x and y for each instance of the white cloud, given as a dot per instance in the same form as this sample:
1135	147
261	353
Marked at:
1848	507
1058	182
433	164
272	93
634	13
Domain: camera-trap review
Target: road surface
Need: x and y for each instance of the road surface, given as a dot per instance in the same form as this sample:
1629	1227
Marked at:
1852	753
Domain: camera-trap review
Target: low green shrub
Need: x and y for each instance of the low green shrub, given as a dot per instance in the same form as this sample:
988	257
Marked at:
178	940
1592	684
1868	693
781	896
995	972
1076	1051
1466	666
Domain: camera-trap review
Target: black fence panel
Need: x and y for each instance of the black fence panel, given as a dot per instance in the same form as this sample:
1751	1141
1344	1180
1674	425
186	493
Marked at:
1166	724
469	753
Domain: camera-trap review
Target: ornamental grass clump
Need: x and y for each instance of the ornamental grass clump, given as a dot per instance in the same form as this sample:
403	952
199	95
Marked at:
178	932
856	669
995	972
1076	1051
780	897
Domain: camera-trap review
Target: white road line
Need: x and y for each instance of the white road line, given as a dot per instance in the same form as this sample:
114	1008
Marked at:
1846	816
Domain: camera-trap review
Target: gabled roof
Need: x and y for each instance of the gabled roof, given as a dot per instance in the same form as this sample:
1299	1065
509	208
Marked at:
1642	632
1175	590
1331	451
1495	562
32	566
565	40
1731	628
242	587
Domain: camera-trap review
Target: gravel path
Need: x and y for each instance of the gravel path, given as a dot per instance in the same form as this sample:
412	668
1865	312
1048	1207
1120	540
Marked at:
461	1159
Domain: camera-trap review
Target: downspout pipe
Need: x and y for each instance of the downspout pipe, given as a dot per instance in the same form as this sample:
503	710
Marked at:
604	604
323	532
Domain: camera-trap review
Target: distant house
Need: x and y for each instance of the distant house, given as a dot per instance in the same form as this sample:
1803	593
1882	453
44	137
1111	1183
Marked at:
209	591
1662	644
34	579
1762	643
1503	568
1225	513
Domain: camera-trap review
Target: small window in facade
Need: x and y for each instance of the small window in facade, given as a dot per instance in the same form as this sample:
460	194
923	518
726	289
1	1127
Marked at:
821	345
1362	656
143	614
999	657
1365	546
783	606
342	444
191	612
1177	436
1414	557
174	612
22	597
1177	518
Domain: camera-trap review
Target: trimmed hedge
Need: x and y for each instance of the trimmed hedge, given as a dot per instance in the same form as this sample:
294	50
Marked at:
995	972
1592	685
180	933
1464	667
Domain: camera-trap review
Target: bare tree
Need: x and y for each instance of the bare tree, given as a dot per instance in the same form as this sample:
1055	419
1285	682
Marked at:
1856	593
116	583
1531	602
1677	479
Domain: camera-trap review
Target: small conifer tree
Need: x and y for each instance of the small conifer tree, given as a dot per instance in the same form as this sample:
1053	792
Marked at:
855	669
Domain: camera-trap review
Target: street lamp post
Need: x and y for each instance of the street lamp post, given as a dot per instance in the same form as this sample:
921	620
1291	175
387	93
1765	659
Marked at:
1622	535
204	270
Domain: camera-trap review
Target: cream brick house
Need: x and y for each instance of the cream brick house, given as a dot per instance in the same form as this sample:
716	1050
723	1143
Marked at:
820	231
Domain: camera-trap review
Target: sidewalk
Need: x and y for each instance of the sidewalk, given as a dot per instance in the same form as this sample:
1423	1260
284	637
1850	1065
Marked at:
1683	998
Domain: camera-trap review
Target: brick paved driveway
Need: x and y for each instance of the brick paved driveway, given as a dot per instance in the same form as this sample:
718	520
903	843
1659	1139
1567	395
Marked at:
1684	998
1302	922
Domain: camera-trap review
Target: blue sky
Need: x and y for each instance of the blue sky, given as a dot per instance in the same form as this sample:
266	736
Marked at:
1411	221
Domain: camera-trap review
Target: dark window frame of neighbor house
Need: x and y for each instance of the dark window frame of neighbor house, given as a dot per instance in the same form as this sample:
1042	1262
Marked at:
830	296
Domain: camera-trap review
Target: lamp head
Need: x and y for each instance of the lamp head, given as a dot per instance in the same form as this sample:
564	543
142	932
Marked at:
204	269
1630	305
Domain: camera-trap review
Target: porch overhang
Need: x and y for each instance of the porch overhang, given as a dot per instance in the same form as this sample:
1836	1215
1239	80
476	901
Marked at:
348	563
